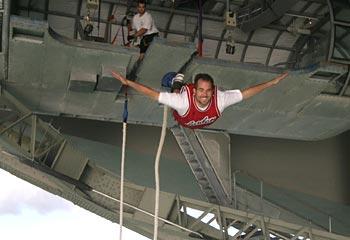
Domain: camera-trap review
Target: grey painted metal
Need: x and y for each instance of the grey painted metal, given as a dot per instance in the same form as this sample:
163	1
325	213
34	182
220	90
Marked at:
246	46
5	38
257	206
176	11
258	202
80	30
333	40
15	123
70	162
247	43
322	20
150	7
303	15
319	53
273	47
60	13
104	205
64	159
337	105
194	33
108	29
200	166
275	10
167	26
148	213
81	79
255	219
106	82
345	24
217	147
47	2
200	218
220	42
339	46
346	84
84	52
59	152
299	44
332	32
345	62
235	191
33	136
77	21
346	33
166	31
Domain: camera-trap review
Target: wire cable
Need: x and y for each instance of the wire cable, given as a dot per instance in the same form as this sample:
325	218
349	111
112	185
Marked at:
125	120
148	213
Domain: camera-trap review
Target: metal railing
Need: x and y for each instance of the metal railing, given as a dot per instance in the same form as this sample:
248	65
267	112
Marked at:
328	222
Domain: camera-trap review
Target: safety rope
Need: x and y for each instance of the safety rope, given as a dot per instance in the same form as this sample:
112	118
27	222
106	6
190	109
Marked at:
156	171
125	120
156	168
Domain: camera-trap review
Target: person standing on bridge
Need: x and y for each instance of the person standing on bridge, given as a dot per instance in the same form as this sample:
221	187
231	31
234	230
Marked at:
199	104
144	27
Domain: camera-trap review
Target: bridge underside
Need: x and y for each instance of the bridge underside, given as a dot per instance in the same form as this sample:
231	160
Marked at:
273	167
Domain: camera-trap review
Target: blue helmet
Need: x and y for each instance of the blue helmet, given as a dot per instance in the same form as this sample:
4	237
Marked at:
167	80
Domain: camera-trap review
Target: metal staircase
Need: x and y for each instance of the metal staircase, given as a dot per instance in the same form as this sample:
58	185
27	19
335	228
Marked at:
200	166
212	222
23	131
196	153
35	151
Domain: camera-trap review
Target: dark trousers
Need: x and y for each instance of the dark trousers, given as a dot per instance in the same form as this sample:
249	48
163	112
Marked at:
146	41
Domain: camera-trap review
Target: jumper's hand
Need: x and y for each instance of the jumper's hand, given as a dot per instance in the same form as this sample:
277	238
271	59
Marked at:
120	77
280	77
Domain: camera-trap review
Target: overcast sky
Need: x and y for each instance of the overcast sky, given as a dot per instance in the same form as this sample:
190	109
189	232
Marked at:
28	212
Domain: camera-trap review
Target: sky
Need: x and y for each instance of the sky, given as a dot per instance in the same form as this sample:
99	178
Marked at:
28	212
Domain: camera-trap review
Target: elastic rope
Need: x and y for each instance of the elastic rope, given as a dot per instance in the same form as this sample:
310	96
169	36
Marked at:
156	171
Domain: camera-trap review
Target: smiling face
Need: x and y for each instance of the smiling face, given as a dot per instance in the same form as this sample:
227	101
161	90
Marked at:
203	92
141	8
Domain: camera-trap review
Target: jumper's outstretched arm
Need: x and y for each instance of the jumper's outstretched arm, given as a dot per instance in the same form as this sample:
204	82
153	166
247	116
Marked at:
249	92
150	92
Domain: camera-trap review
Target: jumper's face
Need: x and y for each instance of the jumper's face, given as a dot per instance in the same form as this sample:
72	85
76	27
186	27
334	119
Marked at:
203	92
141	8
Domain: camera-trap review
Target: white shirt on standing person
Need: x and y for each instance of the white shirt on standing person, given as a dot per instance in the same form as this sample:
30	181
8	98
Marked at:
144	21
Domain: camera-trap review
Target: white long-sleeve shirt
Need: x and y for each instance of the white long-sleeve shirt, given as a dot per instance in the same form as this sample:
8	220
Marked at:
179	101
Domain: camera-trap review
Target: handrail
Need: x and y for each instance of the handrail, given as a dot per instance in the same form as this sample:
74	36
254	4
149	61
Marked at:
330	218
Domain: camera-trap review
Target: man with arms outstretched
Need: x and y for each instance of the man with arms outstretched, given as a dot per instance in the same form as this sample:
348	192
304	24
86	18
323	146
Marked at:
199	104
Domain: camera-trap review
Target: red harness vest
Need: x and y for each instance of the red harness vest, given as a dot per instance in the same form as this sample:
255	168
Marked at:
194	117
